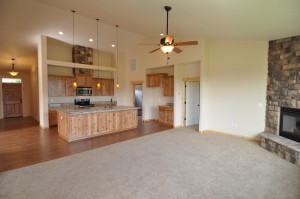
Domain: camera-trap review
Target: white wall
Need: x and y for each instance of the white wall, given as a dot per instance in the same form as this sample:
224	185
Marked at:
237	80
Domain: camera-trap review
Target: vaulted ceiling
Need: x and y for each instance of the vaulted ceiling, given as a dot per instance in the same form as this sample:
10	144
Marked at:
23	21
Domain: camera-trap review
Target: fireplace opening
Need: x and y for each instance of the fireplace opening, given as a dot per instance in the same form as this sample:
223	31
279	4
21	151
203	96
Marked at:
290	123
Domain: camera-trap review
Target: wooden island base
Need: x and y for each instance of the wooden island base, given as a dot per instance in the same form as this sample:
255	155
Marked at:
72	126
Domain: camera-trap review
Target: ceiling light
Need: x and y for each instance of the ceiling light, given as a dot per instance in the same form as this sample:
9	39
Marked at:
167	49
60	33
13	72
113	45
91	40
161	34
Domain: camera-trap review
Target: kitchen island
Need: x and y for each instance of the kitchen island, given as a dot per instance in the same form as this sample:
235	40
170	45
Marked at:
79	123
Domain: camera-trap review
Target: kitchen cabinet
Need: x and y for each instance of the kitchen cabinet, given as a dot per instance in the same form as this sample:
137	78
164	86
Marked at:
166	115
52	117
106	89
70	90
56	86
168	85
154	80
84	80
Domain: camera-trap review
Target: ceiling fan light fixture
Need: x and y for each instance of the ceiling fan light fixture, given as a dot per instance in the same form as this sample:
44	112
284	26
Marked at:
13	72
167	49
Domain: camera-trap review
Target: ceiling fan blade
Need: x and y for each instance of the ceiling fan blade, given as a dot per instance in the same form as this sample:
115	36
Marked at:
154	50
177	50
169	39
186	43
149	44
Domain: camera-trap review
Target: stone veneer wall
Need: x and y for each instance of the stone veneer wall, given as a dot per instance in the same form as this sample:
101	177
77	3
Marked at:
283	89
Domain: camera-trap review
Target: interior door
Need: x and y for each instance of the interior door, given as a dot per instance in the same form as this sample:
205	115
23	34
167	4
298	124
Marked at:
138	98
192	108
12	100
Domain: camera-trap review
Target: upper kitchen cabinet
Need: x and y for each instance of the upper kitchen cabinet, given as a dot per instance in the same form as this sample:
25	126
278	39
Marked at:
56	86
154	80
70	90
168	85
84	80
106	88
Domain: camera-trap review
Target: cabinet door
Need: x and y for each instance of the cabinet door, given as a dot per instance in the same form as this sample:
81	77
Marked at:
88	81
103	122
168	85
70	90
96	91
111	87
80	79
56	86
52	117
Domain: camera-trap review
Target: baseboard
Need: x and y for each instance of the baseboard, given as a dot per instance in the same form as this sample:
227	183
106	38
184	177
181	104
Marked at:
149	120
178	126
231	134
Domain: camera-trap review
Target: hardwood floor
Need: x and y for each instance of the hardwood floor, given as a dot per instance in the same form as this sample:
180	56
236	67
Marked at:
24	143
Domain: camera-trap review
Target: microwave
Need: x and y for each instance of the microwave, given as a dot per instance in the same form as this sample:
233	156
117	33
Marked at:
84	91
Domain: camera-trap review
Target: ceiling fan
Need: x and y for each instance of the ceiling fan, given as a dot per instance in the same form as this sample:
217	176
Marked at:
167	44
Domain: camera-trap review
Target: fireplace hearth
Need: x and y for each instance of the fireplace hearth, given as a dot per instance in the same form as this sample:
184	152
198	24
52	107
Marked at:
290	123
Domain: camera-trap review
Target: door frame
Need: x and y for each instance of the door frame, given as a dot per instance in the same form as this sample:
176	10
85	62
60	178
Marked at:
1	95
133	83
183	105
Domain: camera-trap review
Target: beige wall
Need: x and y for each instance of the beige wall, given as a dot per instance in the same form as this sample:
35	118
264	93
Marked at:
34	93
158	59
61	51
233	76
236	79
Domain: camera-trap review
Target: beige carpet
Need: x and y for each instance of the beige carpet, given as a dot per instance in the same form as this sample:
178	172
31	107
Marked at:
178	163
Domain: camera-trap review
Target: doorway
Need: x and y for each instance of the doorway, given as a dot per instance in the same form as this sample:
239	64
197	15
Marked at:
137	87
12	97
192	103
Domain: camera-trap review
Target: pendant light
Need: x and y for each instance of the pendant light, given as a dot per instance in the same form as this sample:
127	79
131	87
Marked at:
117	85
98	84
13	72
73	58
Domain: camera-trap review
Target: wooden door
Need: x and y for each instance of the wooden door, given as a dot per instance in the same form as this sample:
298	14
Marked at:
12	100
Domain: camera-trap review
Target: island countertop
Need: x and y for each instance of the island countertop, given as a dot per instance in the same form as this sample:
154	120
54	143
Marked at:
89	110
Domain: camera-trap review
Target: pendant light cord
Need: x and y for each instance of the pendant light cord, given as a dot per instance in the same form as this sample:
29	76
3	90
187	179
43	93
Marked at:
117	51
98	46
73	58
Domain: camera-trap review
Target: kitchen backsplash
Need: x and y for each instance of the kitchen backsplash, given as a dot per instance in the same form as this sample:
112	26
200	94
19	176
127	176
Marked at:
71	99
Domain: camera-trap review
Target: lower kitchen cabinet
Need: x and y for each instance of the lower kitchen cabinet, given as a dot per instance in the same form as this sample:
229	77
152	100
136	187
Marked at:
166	115
52	117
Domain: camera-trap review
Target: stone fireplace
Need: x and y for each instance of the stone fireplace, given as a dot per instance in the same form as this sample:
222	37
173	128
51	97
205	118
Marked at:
283	94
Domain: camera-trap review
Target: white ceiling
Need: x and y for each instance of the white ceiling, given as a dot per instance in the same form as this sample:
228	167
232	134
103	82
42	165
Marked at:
23	21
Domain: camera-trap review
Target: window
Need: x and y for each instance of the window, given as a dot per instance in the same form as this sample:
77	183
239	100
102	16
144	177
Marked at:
11	80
